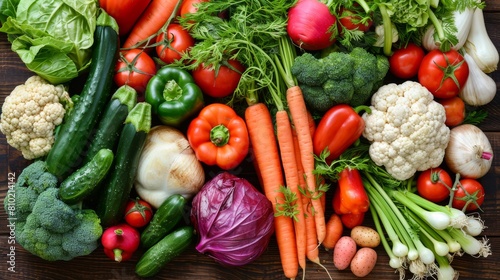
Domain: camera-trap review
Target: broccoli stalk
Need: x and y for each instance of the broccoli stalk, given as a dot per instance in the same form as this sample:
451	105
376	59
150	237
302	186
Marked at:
46	226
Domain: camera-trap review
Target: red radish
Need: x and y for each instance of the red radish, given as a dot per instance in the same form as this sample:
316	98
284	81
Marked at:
120	242
310	25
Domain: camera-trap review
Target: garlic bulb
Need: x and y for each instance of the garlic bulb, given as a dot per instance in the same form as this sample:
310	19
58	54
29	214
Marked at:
469	151
480	46
480	88
463	22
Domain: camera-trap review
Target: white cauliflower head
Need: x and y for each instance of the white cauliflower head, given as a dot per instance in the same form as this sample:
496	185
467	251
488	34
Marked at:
30	115
406	128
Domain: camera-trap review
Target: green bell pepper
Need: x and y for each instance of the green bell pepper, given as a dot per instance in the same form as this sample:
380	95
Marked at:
174	96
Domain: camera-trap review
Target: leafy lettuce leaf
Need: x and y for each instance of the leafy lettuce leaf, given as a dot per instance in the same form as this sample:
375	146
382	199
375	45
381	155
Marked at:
53	38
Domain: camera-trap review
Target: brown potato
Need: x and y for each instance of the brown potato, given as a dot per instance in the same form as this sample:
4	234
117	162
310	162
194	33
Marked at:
365	236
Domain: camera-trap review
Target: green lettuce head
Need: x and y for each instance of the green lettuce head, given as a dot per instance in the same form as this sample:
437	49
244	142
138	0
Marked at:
53	38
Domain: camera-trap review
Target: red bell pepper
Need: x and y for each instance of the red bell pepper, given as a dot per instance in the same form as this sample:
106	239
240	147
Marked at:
339	128
350	196
352	220
219	136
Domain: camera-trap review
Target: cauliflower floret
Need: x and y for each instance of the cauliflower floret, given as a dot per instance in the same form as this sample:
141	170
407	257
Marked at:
406	129
30	115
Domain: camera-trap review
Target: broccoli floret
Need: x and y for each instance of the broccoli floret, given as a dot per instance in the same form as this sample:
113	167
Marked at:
53	214
365	75
339	77
56	231
25	201
36	177
33	180
339	66
82	239
302	67
315	97
46	226
340	91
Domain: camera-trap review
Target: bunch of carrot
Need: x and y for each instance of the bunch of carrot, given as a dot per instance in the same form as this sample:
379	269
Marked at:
287	159
284	157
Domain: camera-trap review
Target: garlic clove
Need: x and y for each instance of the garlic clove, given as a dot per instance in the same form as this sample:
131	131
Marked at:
480	88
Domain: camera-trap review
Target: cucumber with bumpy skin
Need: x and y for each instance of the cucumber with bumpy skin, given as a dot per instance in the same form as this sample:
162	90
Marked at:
166	217
164	251
117	186
68	150
82	182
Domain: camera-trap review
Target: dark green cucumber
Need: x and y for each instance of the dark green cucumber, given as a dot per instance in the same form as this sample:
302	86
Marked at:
118	184
111	121
82	182
164	220
67	153
164	251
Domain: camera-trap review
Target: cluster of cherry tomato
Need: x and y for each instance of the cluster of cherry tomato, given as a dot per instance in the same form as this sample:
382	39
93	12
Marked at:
436	185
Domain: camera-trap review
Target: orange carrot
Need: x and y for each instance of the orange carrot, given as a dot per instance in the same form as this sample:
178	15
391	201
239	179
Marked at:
312	252
312	245
312	238
287	152
265	148
300	119
151	21
334	230
312	123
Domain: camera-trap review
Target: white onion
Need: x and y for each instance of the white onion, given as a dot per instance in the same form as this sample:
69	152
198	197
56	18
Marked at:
469	151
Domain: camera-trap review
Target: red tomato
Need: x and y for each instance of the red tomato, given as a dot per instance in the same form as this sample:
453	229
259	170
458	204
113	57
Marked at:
469	195
134	68
190	6
405	62
175	45
455	110
138	213
351	20
443	73
125	12
352	220
434	184
224	84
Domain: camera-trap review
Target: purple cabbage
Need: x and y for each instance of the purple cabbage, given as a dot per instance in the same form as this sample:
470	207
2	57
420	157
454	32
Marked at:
234	221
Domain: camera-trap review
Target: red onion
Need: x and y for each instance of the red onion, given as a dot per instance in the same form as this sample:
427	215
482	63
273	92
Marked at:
309	25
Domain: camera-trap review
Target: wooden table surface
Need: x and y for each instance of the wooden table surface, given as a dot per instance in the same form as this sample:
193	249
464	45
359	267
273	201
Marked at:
192	265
